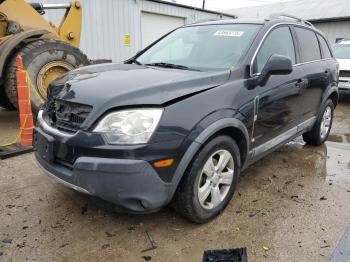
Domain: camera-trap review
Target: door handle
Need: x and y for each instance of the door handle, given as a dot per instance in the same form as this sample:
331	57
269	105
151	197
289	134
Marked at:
301	83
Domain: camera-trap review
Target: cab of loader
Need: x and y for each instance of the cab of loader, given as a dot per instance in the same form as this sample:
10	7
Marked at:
48	51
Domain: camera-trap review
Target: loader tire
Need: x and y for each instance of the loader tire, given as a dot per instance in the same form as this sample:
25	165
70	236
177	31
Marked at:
44	60
4	101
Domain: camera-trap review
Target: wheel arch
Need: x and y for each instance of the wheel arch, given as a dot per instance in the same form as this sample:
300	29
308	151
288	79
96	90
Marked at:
231	127
333	94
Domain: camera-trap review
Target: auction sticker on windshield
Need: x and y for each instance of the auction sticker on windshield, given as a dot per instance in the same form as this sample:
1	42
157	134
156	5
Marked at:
229	33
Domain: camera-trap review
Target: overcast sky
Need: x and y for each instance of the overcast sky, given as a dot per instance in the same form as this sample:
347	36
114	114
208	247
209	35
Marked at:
226	4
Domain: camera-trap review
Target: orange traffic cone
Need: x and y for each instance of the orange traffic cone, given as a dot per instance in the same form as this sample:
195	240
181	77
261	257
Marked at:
25	133
24	106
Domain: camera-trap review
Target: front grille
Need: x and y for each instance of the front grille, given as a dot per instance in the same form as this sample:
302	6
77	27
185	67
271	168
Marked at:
344	73
67	116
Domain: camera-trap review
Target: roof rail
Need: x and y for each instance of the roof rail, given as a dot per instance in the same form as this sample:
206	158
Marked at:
280	15
207	20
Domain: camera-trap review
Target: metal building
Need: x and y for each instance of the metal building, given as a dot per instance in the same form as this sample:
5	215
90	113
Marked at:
330	16
117	29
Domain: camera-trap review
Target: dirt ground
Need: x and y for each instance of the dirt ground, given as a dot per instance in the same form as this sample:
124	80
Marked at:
293	205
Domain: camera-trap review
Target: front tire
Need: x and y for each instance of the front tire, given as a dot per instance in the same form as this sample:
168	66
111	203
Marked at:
210	181
44	60
322	127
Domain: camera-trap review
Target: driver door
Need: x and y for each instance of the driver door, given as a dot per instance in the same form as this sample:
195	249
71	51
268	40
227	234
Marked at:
277	105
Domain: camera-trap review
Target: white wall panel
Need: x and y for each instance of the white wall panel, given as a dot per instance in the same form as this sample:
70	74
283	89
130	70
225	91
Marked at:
334	30
165	24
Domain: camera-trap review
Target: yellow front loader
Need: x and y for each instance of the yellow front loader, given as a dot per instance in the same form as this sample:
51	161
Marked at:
48	51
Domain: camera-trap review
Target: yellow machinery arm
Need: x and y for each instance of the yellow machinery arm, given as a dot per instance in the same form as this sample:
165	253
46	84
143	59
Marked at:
27	18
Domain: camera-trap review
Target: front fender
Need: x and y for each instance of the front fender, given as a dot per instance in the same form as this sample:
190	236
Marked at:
201	138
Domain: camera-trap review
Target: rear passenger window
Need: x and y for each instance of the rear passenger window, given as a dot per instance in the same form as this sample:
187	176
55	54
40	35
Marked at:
279	42
310	49
324	47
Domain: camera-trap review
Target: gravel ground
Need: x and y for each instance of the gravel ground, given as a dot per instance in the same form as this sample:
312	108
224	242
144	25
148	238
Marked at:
293	205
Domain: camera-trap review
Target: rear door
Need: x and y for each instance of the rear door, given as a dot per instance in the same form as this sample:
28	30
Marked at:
315	69
278	102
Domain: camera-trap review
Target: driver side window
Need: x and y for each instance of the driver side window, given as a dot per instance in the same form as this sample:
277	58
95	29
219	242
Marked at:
278	42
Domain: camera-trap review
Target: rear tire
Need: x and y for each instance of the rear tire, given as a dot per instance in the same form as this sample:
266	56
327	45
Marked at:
322	127
39	57
197	197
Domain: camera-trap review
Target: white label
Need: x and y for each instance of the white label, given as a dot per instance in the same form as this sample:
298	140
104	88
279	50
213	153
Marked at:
229	33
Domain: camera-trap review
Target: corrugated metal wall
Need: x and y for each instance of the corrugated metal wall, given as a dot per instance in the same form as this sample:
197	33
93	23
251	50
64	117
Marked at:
105	22
334	30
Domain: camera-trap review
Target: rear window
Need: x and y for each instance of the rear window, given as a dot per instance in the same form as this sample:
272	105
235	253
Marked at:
324	47
310	49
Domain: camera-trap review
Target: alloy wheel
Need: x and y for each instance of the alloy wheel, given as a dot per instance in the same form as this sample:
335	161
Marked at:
326	122
215	179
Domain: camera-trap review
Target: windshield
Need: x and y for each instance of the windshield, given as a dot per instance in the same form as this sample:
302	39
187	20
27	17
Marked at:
209	47
342	51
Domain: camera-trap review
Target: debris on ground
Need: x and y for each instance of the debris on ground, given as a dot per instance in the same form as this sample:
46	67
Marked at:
237	254
152	242
7	241
84	209
21	245
131	228
265	248
253	214
147	258
105	246
63	245
109	234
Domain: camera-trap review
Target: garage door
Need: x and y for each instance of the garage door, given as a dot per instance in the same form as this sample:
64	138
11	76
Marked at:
153	26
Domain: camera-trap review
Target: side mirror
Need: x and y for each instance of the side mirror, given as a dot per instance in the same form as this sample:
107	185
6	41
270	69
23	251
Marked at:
276	65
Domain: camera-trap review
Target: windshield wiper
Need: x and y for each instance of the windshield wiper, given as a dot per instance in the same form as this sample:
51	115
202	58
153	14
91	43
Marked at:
169	65
132	61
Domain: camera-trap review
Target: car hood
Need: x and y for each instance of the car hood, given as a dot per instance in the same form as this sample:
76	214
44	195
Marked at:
344	64
115	85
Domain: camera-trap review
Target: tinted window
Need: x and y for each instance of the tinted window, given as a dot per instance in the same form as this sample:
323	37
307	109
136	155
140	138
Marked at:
279	42
309	46
324	47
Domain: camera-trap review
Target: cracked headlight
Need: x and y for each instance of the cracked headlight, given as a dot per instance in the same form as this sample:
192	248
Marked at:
132	126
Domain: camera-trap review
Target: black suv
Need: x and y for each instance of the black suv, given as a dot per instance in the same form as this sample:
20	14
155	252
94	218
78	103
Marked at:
179	121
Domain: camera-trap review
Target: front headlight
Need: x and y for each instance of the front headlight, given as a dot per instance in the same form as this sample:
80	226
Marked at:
133	126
